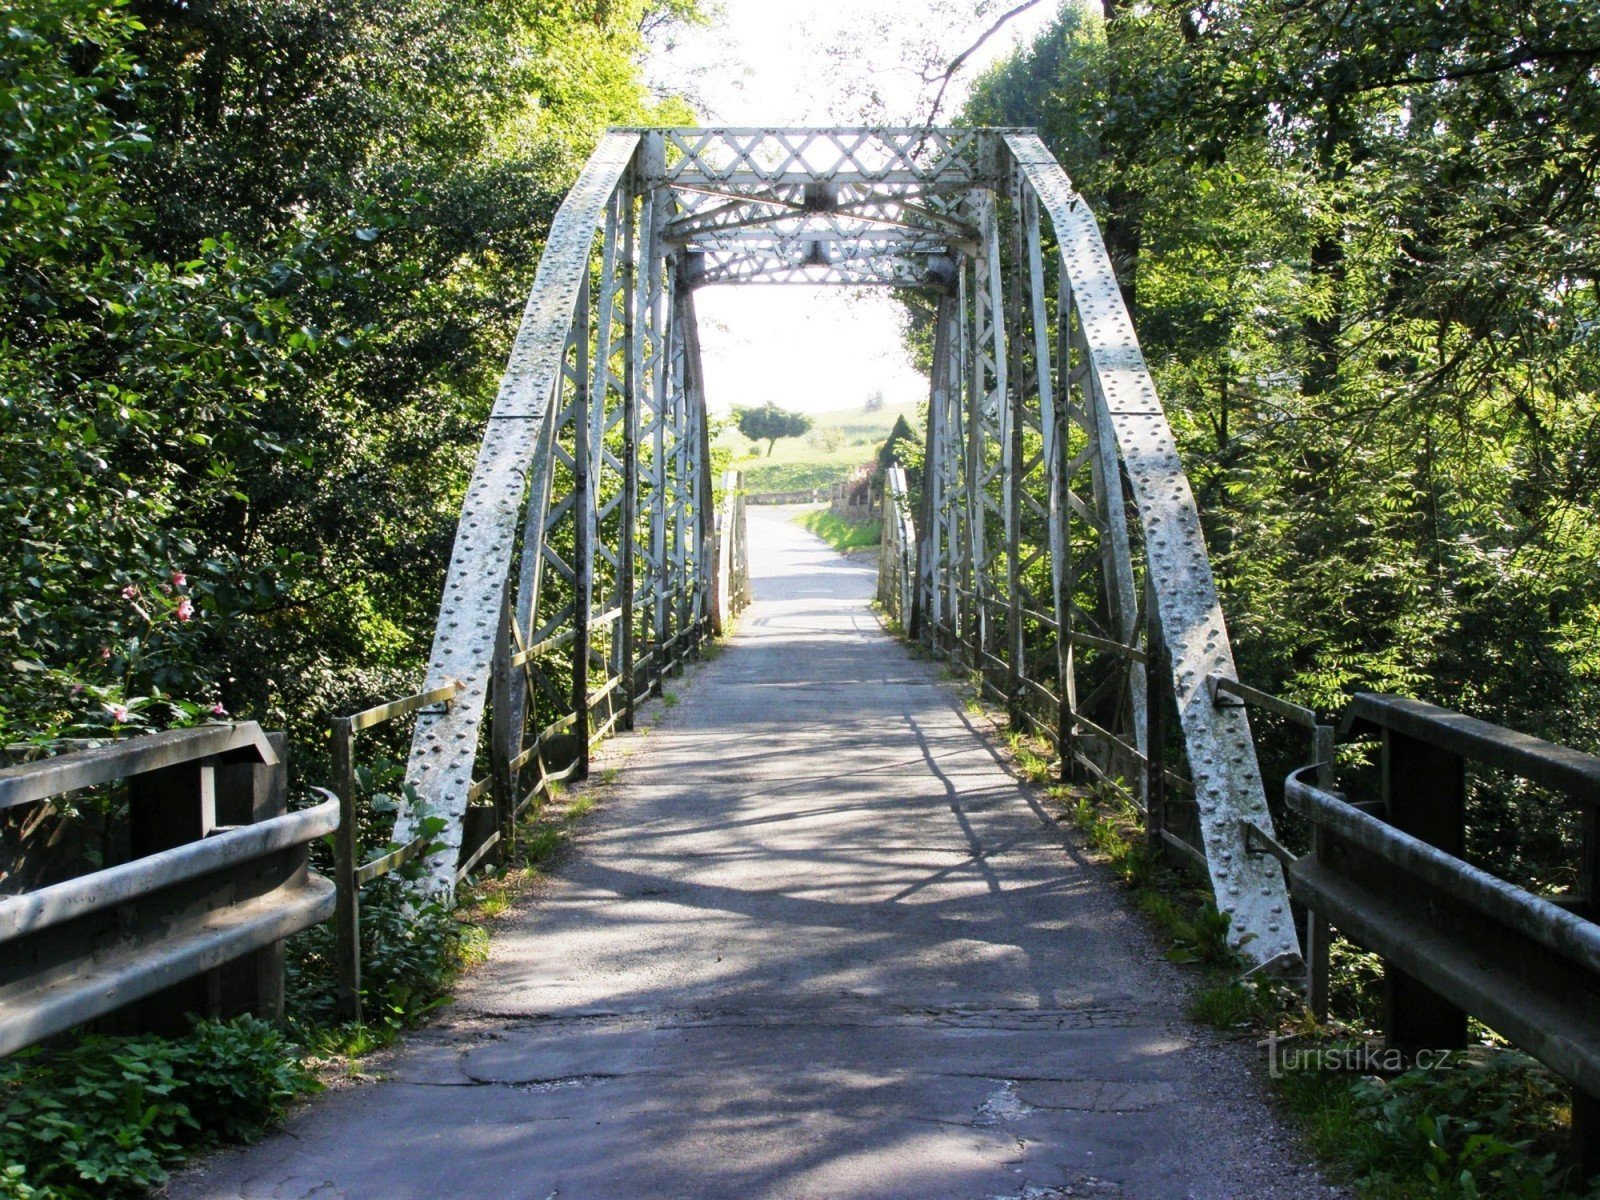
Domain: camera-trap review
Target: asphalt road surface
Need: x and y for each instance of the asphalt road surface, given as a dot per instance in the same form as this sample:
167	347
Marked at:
815	941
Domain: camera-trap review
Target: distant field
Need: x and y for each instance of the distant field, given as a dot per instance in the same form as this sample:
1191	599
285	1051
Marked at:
838	443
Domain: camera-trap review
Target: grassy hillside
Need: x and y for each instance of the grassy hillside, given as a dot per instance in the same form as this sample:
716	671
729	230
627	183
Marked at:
837	444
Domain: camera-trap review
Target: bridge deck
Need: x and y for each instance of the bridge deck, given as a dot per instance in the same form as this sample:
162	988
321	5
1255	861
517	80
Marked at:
816	943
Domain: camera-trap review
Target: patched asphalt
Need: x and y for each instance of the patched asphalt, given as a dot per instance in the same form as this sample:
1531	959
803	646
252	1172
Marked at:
815	941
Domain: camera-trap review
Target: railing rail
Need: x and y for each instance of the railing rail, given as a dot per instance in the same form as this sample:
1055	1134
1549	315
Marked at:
897	566
1455	939
220	873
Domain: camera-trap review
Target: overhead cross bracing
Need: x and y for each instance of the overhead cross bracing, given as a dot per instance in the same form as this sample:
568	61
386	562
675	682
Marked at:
854	207
1058	551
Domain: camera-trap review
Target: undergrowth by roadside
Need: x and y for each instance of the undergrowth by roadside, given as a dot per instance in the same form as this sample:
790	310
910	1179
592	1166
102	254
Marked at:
839	533
106	1118
1487	1124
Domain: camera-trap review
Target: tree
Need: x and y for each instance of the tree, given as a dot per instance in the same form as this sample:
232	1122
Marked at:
261	265
1367	267
891	450
874	401
769	423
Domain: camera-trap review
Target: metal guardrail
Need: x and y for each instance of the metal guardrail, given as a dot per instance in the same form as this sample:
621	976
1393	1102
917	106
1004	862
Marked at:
1456	940
220	873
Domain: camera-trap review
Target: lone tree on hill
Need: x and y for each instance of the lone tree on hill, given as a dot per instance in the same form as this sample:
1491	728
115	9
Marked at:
769	423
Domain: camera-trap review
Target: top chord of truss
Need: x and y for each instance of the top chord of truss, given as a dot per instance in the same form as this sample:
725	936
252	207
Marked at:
749	155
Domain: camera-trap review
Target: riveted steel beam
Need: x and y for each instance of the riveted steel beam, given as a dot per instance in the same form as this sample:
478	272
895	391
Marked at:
445	746
1220	749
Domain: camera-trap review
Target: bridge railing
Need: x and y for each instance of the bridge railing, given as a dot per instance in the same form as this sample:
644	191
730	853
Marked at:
897	551
349	873
1456	940
218	873
732	592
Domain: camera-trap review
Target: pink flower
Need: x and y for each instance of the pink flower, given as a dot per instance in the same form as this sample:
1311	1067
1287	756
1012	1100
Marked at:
179	579
217	710
131	592
118	712
185	609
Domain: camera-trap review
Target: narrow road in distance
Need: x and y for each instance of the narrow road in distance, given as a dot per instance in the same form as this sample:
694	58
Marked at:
815	941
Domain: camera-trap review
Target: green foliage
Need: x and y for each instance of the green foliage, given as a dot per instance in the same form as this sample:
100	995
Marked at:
411	951
1459	1132
261	267
108	1116
900	438
769	423
1363	246
839	533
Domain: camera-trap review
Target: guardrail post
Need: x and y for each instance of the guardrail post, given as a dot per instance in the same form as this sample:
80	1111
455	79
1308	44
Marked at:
1424	794
247	793
168	807
1319	934
1583	1152
347	913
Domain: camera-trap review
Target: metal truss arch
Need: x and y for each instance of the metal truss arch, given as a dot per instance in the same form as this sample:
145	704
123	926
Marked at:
1055	550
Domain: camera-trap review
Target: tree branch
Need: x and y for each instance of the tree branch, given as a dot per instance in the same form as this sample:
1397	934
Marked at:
1521	58
959	60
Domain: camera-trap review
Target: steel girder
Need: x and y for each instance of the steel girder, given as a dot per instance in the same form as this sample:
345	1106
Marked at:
587	547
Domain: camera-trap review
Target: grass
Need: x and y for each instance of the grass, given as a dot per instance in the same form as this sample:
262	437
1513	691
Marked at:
839	533
837	444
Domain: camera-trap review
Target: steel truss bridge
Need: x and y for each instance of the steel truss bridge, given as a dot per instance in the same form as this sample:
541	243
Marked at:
1052	551
1058	551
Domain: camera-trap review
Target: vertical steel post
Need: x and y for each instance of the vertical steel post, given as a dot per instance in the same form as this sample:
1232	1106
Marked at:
660	474
954	442
1011	396
347	904
924	616
972	548
698	468
1053	441
1115	547
633	372
583	517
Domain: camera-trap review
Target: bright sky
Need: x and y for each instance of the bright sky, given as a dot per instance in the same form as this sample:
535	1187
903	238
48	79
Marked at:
822	62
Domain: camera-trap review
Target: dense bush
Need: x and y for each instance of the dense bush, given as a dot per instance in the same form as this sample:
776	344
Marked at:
259	267
410	952
107	1117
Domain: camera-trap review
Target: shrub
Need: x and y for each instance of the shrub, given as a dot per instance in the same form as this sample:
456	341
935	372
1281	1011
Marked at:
107	1116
